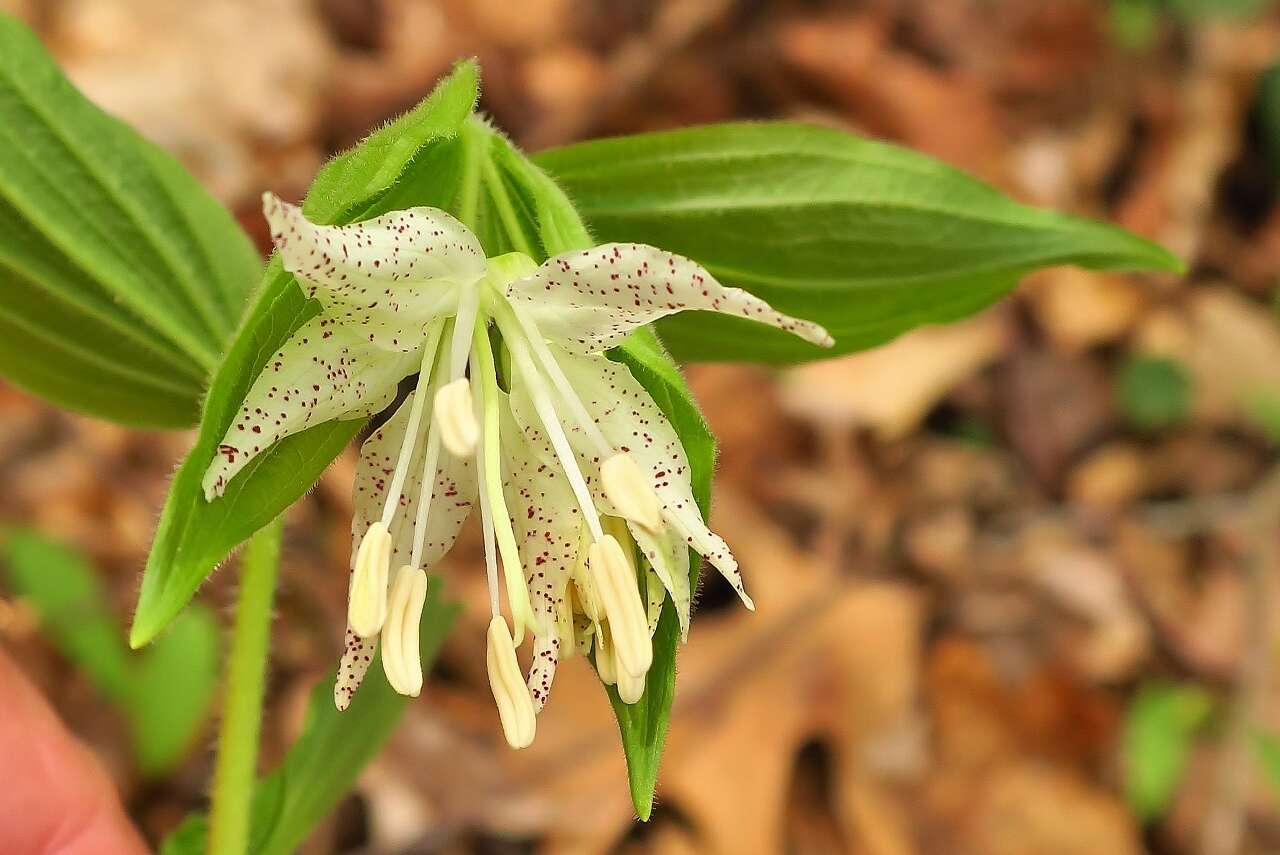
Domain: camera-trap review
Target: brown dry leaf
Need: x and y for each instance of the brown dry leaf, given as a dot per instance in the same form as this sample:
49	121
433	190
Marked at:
225	80
1193	128
892	388
893	94
1027	808
1053	407
983	794
1111	477
1087	583
1083	308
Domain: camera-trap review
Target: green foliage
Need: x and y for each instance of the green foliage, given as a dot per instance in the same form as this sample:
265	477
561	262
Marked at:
1153	392
1160	725
1133	23
383	158
334	746
165	693
867	238
1266	106
120	278
1263	410
1266	747
1202	9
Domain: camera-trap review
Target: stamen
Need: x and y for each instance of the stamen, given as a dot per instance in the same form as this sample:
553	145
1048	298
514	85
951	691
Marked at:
542	403
615	579
515	704
490	473
367	598
606	662
455	417
588	599
630	687
630	492
564	622
411	429
401	660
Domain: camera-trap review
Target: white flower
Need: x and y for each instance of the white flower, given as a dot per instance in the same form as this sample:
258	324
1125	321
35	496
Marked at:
516	408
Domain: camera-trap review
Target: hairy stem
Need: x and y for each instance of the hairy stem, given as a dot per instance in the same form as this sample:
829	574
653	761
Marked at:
237	761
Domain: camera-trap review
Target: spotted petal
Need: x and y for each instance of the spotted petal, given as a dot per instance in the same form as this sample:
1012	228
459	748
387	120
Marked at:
324	371
452	498
589	301
451	503
547	523
631	422
357	656
389	276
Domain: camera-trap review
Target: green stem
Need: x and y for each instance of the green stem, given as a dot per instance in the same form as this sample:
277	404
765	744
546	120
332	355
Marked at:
233	777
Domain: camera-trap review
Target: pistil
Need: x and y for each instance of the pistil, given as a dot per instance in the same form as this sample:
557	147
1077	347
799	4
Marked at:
489	463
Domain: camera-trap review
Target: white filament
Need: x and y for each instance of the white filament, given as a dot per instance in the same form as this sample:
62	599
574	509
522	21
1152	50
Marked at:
562	384
542	403
415	417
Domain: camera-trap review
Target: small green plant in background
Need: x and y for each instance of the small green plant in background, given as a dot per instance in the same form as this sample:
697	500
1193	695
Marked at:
1161	725
1153	392
165	692
1164	724
1134	24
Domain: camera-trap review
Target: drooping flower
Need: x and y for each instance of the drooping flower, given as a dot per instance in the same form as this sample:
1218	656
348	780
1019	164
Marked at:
583	486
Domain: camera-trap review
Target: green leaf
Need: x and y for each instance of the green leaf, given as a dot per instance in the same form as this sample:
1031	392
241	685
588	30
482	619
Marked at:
1266	110
381	160
72	606
172	689
165	693
120	277
194	535
1263	410
1197	10
1160	725
1153	392
866	238
643	725
189	838
1267	751
1134	24
334	746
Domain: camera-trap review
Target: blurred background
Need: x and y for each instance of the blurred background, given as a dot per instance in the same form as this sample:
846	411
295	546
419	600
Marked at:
1016	577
